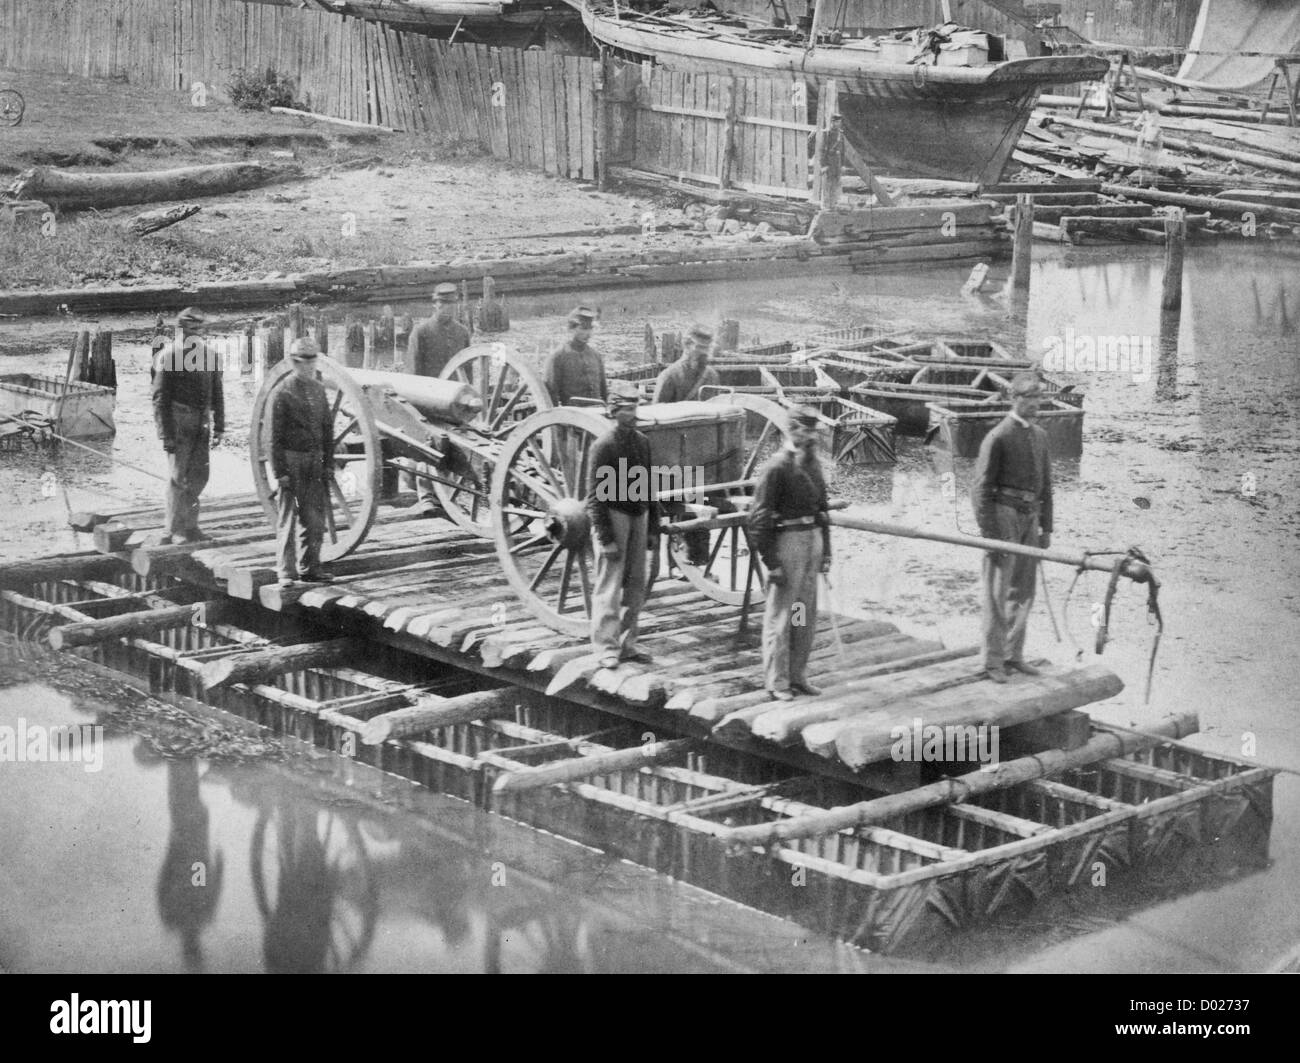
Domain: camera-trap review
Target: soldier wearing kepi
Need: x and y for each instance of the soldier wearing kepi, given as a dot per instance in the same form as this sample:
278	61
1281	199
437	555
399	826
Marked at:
190	412
431	346
789	527
624	525
302	452
681	381
576	370
1012	494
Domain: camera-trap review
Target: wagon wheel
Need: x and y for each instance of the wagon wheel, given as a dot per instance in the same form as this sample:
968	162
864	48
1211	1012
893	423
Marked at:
511	392
721	566
12	106
540	481
315	889
358	455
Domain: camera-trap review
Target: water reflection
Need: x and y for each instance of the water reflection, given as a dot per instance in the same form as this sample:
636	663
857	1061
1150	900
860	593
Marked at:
189	884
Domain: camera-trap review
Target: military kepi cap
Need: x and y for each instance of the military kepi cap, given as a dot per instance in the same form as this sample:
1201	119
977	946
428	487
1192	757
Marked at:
701	332
582	316
1026	384
446	293
303	349
623	393
191	315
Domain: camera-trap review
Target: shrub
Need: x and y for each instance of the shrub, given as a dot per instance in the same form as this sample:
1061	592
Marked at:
259	90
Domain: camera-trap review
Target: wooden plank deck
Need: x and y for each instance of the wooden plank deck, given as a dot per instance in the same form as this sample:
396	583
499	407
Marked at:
424	585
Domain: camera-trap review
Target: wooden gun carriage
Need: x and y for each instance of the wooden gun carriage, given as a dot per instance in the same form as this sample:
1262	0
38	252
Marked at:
508	466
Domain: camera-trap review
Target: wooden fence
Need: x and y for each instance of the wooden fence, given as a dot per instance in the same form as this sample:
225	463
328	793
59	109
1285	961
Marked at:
535	108
745	133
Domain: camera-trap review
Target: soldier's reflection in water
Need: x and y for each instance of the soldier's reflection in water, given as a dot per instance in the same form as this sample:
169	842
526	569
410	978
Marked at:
189	884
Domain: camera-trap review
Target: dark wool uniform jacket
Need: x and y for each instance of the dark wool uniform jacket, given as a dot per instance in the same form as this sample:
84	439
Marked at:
786	489
1016	456
574	374
679	382
432	344
620	451
301	421
199	388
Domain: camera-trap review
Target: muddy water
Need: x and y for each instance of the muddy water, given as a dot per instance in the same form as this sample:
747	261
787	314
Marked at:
1190	451
127	861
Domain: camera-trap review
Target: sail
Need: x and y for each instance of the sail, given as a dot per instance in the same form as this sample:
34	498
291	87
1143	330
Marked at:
1242	27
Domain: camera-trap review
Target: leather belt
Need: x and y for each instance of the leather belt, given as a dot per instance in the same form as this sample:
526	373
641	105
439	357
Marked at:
796	522
1018	494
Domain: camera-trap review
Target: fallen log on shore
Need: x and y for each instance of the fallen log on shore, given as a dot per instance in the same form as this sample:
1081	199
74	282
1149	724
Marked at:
78	191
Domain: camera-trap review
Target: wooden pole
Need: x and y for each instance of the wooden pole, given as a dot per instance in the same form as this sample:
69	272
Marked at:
370	356
322	332
431	713
1171	292
274	342
830	154
385	330
129	625
354	344
296	327
258	665
597	764
602	74
960	789
1022	250
726	165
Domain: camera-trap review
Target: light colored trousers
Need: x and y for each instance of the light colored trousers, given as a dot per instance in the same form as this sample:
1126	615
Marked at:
187	468
1009	586
300	512
620	587
790	616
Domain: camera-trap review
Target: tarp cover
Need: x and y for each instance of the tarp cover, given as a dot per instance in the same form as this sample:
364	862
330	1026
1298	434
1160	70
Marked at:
1241	26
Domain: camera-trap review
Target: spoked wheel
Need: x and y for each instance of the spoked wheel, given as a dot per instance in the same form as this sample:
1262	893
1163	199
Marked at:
718	561
511	392
540	481
12	106
354	487
315	890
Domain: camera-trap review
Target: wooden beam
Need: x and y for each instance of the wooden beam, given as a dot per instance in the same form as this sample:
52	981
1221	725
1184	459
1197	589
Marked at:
65	566
960	789
129	625
257	665
431	713
598	764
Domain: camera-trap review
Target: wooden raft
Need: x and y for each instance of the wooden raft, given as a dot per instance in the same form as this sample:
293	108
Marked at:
424	585
894	873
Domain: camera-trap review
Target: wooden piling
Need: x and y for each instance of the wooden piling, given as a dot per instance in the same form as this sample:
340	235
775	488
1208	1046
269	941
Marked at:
1022	248
385	329
274	341
295	322
369	358
1171	292
402	329
354	343
729	335
829	147
322	332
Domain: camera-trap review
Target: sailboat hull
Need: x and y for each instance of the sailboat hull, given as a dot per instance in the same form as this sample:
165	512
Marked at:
906	120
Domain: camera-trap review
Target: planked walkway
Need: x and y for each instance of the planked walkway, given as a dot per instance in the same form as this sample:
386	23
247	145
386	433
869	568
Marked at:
424	585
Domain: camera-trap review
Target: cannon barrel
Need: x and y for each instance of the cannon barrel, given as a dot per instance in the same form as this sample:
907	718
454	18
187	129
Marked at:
445	401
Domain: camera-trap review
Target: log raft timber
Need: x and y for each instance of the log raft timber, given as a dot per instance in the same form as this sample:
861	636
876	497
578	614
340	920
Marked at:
420	661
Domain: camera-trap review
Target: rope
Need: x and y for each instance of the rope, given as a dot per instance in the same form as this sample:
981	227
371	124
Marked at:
92	450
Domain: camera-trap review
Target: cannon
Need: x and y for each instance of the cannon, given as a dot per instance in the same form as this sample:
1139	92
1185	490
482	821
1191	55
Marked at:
508	466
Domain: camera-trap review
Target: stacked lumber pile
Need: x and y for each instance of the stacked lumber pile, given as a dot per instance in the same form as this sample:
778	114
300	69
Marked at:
941	229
